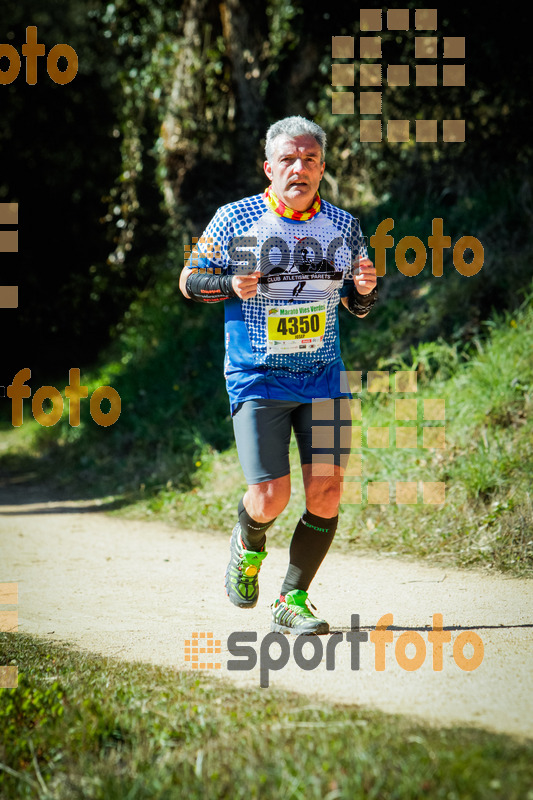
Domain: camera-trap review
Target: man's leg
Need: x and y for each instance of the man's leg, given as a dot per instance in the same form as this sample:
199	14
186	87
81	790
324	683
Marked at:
259	507
262	434
316	528
323	456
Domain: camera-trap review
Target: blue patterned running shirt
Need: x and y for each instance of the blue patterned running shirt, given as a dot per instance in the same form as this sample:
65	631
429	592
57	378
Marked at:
283	343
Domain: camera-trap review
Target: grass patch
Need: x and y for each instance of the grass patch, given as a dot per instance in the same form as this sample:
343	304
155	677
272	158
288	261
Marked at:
80	726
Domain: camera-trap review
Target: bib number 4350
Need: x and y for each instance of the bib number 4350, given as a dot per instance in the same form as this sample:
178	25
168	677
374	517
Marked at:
294	326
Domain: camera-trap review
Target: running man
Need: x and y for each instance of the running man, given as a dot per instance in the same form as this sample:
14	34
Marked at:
282	261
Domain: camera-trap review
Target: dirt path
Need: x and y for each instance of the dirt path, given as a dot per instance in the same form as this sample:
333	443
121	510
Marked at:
138	590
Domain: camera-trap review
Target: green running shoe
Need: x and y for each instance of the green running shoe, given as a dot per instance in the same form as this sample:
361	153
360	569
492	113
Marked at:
293	615
242	574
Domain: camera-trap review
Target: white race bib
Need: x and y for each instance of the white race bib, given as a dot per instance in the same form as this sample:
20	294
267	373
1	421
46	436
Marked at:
293	329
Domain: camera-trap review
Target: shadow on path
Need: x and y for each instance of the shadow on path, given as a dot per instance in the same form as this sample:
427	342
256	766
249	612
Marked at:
22	489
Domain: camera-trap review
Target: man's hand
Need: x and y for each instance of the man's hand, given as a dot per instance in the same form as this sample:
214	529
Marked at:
245	286
365	280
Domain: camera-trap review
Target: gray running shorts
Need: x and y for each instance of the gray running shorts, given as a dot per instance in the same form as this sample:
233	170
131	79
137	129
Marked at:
263	434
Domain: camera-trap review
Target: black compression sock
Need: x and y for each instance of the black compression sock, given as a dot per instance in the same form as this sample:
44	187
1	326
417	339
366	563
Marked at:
252	532
310	543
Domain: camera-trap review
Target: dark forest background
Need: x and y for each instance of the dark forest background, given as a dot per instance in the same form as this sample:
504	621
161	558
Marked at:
117	170
164	121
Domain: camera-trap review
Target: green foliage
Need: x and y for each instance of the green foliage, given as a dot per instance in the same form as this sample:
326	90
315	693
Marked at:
451	309
28	707
166	366
487	463
30	720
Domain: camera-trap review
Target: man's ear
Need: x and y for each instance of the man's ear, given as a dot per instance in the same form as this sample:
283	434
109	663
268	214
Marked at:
268	170
323	168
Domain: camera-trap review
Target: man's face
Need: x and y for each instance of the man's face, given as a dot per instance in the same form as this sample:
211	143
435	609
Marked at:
295	170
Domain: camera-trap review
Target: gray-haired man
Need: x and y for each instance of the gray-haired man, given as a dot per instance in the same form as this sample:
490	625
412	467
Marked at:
283	261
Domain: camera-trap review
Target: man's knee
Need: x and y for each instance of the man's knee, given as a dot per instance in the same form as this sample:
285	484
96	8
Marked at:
323	494
266	500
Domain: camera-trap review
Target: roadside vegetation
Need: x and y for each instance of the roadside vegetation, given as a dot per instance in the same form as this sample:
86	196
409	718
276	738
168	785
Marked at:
80	726
171	453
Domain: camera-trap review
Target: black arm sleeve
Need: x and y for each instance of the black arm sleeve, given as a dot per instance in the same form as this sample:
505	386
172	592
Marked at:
206	288
361	303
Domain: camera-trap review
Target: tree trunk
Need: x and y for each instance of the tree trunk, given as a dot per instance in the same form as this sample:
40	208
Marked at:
180	126
245	30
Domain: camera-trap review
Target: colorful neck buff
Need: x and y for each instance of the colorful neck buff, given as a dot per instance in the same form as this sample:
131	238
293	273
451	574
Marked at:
279	208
